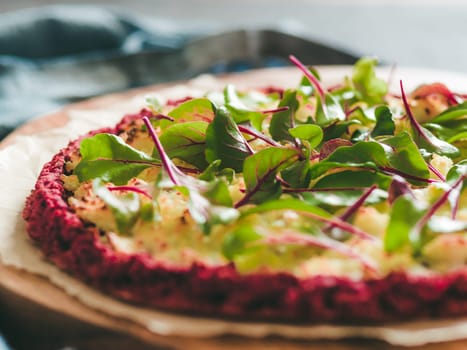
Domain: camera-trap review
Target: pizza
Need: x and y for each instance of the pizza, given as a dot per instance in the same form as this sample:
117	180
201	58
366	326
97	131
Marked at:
313	204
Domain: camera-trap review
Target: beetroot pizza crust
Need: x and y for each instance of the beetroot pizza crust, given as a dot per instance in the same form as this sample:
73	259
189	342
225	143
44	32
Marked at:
74	246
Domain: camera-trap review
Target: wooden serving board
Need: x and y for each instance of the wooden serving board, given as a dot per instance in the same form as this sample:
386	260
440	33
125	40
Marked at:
36	314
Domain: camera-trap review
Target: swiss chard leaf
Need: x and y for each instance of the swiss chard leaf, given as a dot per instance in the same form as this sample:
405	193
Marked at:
197	109
456	171
363	114
327	168
397	155
397	188
456	112
384	122
108	157
237	242
369	87
186	141
458	137
225	142
108	170
405	213
305	87
431	143
214	171
308	132
297	175
423	137
338	128
348	177
109	146
125	208
454	174
454	132
259	173
404	155
218	193
282	121
360	153
238	110
153	103
329	110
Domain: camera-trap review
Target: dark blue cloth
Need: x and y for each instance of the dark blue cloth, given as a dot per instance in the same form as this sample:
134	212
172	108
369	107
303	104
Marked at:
55	55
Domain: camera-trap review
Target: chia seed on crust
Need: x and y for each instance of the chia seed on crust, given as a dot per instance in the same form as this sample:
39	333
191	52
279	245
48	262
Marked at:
74	246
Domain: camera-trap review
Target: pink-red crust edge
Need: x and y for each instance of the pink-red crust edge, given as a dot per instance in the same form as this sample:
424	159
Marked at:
221	291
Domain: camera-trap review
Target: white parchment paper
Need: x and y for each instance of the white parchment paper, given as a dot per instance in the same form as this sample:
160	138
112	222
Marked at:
20	164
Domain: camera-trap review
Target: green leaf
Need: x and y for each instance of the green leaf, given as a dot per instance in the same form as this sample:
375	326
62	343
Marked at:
150	211
309	132
433	144
405	213
352	178
458	137
116	172
369	87
108	157
398	154
154	104
109	146
239	111
214	171
305	87
218	193
384	122
456	112
297	175
402	156
330	111
197	109
207	214
365	116
225	142
456	171
363	152
405	156
125	208
260	170
186	141
237	241
441	131
281	122
425	139
338	128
